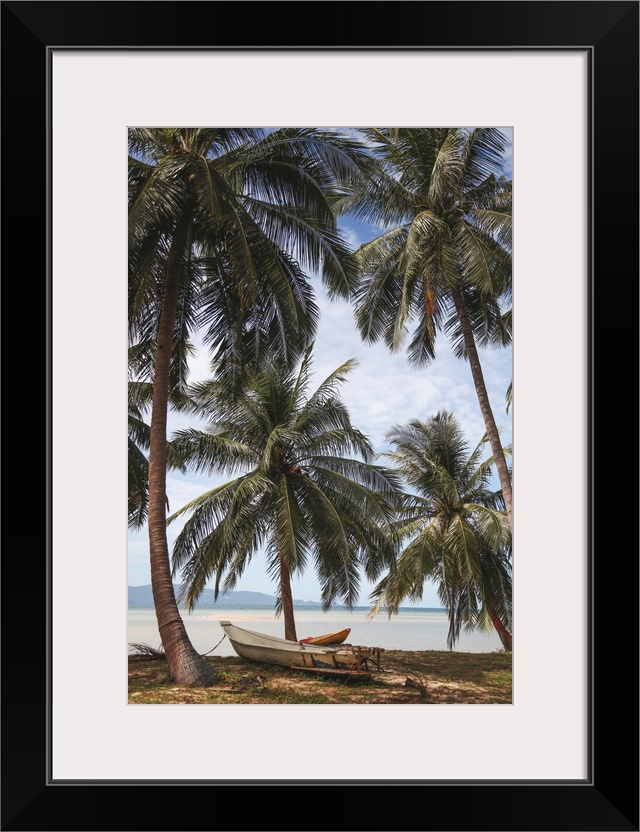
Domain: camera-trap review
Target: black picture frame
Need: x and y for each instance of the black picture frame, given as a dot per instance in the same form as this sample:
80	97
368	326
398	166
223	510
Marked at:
608	799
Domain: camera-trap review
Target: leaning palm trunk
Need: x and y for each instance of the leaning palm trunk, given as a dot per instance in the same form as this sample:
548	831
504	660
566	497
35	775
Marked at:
186	666
287	602
485	406
503	633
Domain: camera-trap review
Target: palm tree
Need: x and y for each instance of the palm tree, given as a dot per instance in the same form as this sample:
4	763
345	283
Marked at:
456	526
222	223
444	258
303	494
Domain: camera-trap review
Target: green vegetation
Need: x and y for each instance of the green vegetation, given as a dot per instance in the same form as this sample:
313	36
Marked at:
407	677
221	224
303	494
226	228
444	258
458	531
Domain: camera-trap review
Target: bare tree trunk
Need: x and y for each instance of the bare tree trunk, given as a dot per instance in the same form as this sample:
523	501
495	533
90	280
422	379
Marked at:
186	665
485	406
287	602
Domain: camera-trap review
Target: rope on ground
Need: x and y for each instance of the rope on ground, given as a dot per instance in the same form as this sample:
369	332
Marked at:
213	648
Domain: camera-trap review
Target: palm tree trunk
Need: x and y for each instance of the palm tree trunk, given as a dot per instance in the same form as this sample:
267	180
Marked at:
505	635
186	665
483	400
287	602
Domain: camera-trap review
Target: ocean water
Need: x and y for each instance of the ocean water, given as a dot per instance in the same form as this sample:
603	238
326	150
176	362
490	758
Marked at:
413	628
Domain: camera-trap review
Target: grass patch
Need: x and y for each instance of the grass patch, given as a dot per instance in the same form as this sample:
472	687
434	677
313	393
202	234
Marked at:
407	677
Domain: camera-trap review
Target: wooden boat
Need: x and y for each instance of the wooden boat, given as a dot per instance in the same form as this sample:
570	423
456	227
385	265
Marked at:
330	638
260	647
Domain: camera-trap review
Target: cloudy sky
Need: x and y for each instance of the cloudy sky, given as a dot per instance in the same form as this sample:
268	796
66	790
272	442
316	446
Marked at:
383	391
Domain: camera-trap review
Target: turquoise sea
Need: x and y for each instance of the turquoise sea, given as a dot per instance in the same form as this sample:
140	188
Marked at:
413	628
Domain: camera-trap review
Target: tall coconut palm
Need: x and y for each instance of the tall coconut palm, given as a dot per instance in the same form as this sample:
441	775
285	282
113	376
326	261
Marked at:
443	261
303	495
456	527
222	223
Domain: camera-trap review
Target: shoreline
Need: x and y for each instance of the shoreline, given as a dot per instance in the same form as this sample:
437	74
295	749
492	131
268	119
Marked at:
417	629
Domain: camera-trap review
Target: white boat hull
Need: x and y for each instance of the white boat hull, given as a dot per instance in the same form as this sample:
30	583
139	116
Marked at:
260	647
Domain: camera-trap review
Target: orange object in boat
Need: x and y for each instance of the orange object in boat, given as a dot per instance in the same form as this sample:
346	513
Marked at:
330	638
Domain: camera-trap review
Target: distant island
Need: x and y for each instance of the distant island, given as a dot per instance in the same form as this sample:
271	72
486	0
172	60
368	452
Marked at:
142	597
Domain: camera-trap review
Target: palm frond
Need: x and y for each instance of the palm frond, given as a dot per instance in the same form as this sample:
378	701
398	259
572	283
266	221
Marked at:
212	453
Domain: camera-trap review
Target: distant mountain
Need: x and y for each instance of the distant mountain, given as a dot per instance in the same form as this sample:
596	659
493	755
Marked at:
142	596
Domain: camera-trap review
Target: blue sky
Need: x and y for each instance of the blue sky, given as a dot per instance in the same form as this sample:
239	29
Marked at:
383	390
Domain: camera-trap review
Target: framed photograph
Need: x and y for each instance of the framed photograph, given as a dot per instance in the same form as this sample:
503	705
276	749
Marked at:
563	77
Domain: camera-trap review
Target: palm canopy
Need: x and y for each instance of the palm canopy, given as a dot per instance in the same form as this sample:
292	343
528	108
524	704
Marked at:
445	206
455	525
443	262
310	491
252	213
